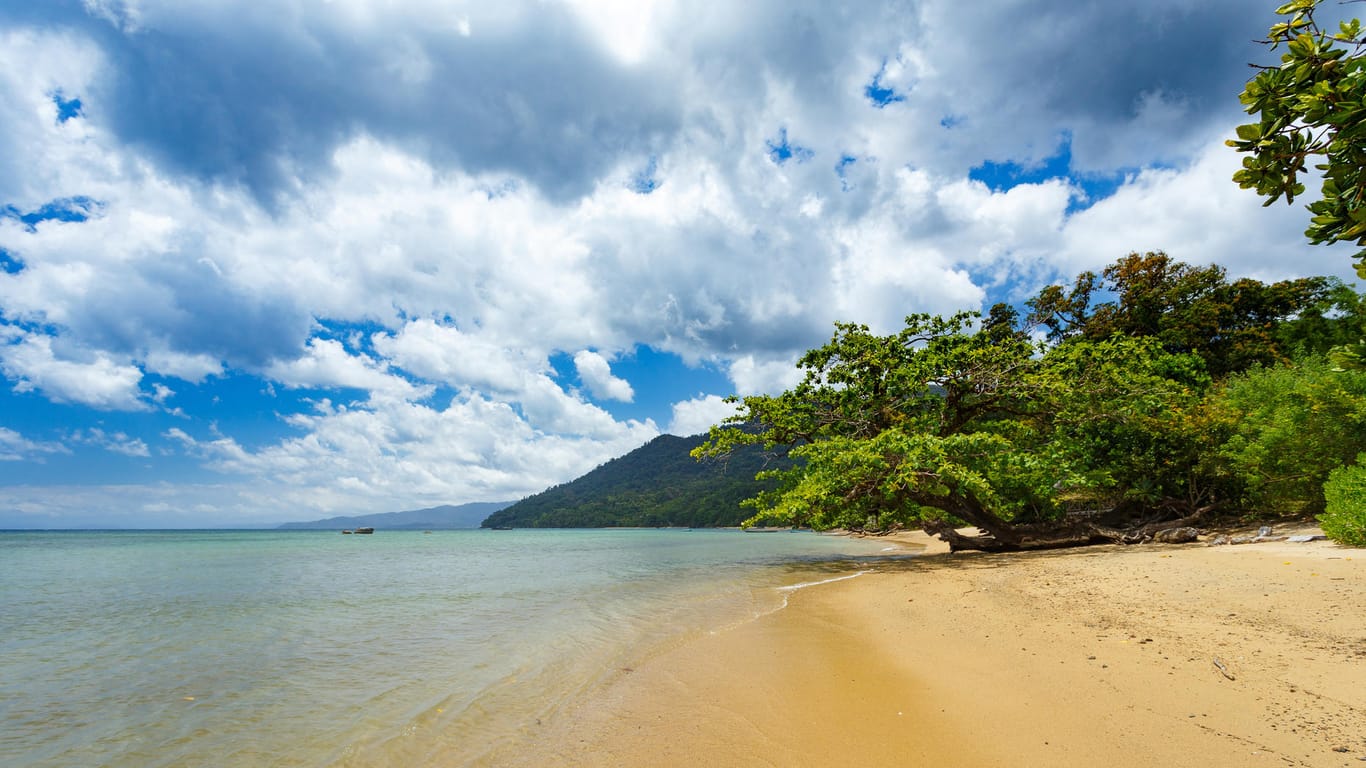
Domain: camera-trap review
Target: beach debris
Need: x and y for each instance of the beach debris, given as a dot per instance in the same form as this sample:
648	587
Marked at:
1220	540
1177	535
1223	670
1306	538
1264	534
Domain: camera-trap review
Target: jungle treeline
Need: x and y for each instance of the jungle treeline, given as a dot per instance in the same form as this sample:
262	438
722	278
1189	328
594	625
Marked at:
1153	395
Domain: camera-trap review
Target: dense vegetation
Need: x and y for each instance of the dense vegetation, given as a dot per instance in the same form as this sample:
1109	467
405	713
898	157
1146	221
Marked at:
1145	398
1345	518
658	484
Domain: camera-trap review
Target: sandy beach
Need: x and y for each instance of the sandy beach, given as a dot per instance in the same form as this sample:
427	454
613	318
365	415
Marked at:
1249	655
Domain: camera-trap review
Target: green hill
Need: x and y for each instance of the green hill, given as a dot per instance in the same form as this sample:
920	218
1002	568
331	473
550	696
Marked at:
658	484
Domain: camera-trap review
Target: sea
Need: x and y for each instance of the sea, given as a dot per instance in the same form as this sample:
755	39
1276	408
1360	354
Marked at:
312	648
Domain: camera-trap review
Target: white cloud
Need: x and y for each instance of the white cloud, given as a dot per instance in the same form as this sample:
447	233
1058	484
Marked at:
596	374
327	364
16	447
93	378
695	416
193	368
761	377
1197	215
394	453
628	28
443	353
115	442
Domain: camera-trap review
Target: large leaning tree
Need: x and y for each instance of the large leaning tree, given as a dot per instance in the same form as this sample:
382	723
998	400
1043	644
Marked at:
952	423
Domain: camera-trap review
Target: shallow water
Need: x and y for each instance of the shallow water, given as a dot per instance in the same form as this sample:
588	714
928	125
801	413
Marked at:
303	648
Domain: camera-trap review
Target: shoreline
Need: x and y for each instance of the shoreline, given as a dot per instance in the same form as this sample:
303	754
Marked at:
1127	656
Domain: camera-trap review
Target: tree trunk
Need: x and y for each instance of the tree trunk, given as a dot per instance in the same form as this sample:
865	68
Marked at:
1001	536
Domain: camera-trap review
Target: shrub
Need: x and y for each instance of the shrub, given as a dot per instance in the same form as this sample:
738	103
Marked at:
1344	519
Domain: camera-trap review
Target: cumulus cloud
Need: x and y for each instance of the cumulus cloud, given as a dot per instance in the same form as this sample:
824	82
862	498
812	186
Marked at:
754	376
397	453
442	353
39	363
327	364
596	374
522	88
695	416
1192	215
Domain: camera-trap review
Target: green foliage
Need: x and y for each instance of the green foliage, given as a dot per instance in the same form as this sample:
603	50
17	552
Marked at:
1291	425
1188	309
1344	520
886	425
1178	394
1134	419
1313	105
655	485
940	422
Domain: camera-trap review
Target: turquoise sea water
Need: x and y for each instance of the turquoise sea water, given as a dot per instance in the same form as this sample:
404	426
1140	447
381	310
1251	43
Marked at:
266	648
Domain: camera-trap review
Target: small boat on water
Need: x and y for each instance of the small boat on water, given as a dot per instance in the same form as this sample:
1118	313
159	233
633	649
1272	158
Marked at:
365	530
346	531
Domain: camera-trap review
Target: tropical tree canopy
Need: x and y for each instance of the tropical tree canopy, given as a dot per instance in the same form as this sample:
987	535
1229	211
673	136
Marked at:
1159	393
1311	106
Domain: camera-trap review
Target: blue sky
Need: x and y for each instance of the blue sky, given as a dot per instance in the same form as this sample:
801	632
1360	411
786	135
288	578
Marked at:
269	262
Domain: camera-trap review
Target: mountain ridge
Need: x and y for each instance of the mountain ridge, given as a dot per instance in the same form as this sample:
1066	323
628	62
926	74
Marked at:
446	516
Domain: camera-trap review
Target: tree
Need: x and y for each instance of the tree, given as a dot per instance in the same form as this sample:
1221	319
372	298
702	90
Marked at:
941	426
1290	426
1344	520
1190	309
1313	105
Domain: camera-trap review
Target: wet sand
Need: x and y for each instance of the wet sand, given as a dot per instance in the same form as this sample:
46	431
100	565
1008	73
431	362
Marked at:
1250	655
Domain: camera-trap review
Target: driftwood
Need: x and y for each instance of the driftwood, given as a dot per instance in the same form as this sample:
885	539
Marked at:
1117	526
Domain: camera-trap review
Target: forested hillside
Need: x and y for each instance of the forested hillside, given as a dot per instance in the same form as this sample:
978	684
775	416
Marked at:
658	484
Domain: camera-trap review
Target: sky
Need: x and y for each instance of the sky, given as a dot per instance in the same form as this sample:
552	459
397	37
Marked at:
279	261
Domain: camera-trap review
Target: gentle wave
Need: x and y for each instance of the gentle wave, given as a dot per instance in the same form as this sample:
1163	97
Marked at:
805	584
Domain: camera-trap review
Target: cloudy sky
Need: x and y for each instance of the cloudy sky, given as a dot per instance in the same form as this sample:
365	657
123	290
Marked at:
278	261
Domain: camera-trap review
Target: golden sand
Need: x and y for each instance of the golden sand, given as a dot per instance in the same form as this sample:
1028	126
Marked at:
1250	655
